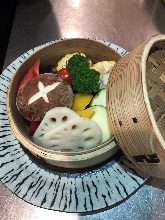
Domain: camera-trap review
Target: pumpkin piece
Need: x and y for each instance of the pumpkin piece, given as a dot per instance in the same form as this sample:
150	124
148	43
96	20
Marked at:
80	101
87	113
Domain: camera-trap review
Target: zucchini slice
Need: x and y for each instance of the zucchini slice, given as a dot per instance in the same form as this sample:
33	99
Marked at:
100	98
101	118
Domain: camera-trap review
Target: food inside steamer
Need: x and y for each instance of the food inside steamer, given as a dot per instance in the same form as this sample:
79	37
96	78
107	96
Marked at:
66	109
42	93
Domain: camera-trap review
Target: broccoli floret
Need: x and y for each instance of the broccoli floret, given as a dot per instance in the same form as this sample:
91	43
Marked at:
84	79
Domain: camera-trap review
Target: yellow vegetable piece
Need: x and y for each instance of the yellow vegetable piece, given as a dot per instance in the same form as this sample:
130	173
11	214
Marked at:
87	113
103	67
80	101
62	63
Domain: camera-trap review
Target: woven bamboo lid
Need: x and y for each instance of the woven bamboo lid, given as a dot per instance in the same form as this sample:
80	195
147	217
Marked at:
136	105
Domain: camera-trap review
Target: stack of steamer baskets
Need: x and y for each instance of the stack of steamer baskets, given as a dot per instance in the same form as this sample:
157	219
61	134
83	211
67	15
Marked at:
136	101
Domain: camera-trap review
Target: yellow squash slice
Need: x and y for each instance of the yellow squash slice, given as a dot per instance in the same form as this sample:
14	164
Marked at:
87	113
80	101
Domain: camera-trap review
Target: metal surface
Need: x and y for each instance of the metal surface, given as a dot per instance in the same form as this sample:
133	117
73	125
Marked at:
126	23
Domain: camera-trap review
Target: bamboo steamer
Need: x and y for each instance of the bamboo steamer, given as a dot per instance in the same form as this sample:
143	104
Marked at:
51	55
135	103
136	106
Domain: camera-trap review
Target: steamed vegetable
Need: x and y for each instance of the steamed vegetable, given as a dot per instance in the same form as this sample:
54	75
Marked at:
101	118
63	62
62	129
53	118
104	68
84	79
65	74
32	72
99	98
33	127
87	113
80	101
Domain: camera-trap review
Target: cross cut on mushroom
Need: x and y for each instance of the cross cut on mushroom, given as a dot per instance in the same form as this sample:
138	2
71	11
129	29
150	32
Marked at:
43	91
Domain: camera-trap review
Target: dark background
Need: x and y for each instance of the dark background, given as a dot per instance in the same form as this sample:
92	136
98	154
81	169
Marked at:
7	12
25	24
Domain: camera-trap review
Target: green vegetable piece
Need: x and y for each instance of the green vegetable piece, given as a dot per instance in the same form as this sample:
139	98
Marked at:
99	98
84	79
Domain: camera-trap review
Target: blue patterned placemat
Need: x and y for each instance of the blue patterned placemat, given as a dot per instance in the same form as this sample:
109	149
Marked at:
101	187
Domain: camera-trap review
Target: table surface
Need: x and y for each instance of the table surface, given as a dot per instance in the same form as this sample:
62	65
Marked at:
126	23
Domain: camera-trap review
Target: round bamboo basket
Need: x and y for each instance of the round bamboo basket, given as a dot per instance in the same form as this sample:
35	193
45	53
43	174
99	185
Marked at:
136	103
50	55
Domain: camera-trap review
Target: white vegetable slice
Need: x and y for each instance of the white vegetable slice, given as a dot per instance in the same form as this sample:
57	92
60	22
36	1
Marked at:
67	131
75	135
53	119
62	63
